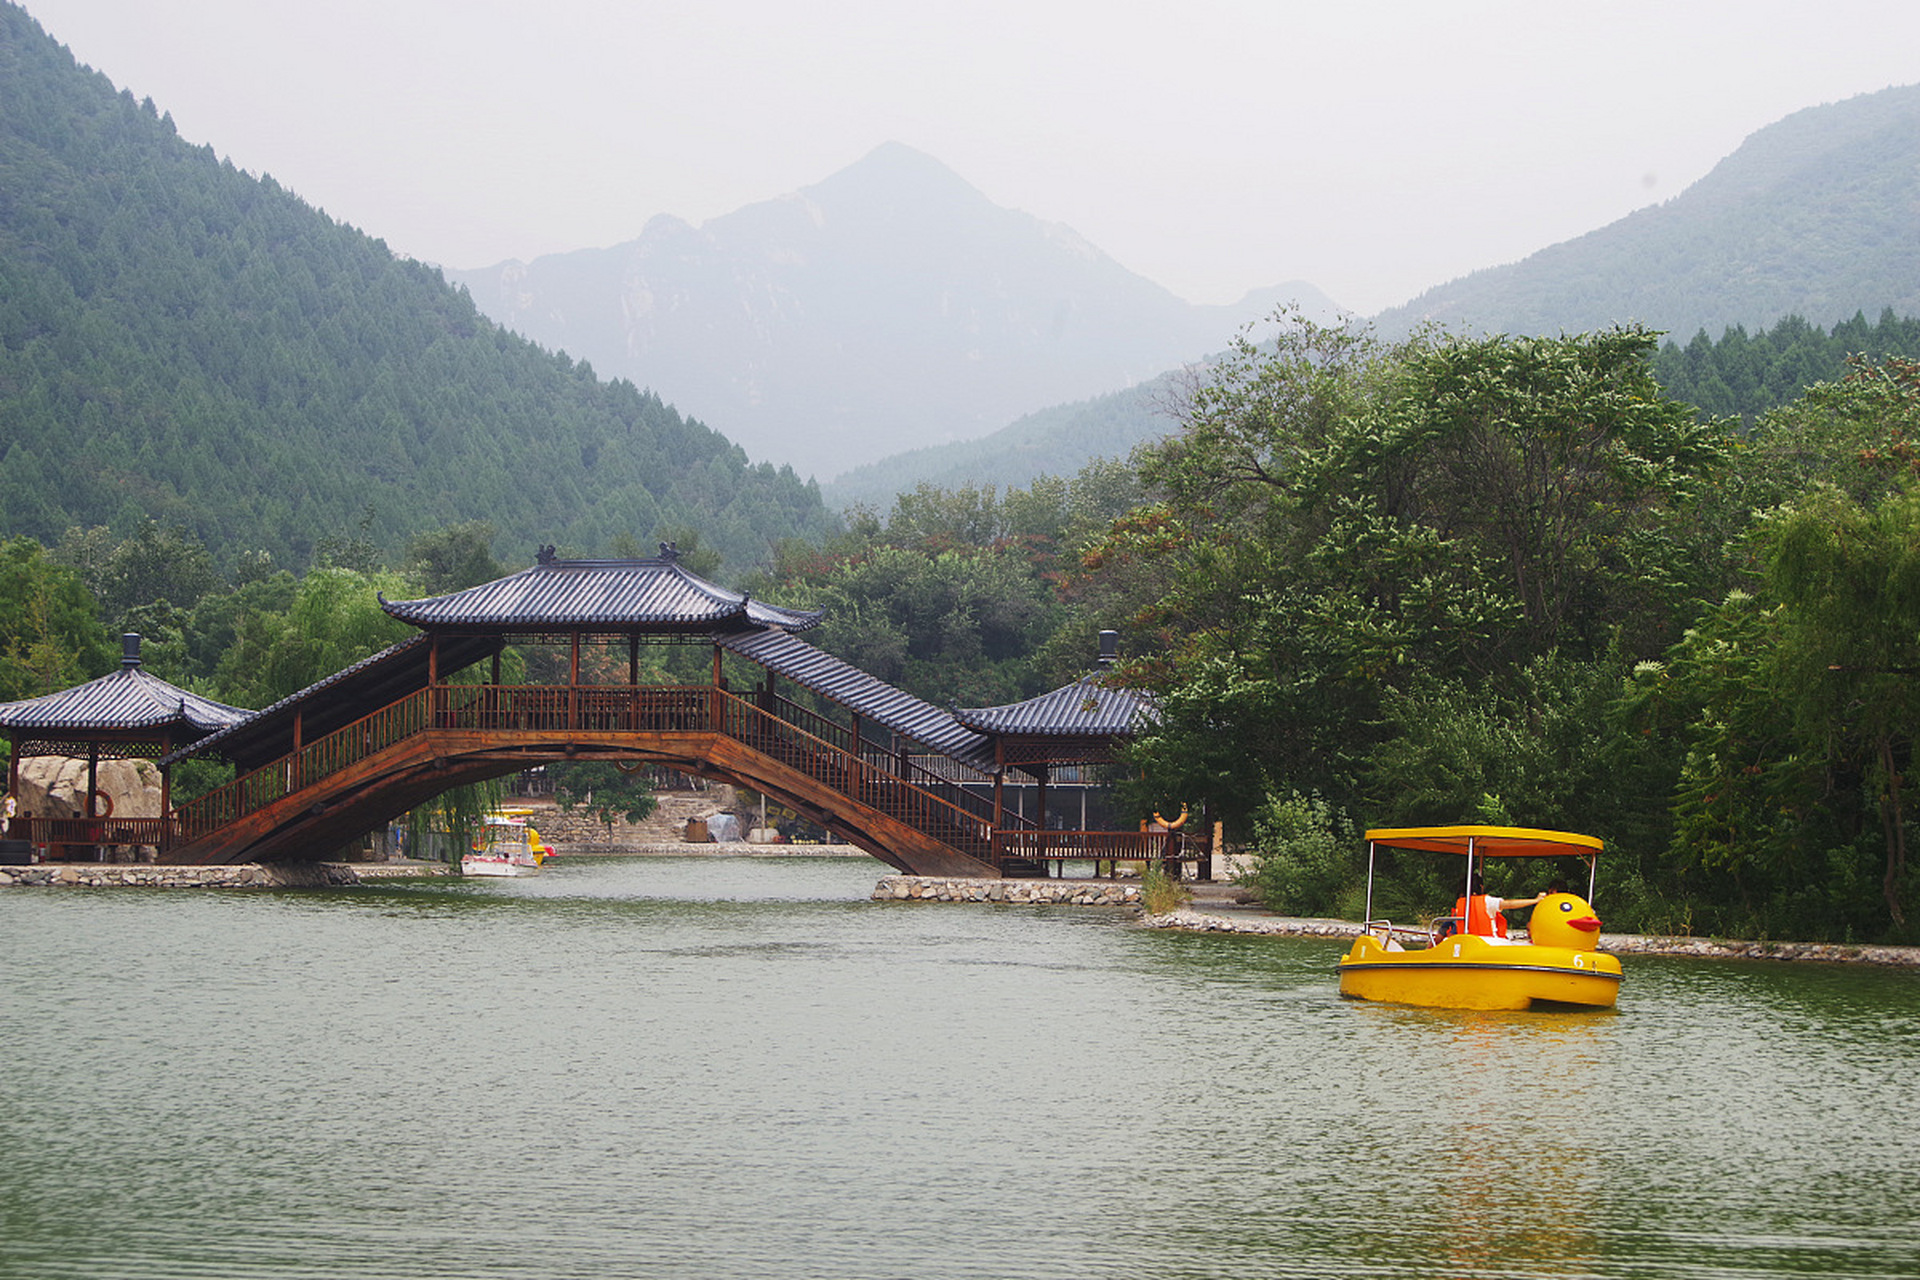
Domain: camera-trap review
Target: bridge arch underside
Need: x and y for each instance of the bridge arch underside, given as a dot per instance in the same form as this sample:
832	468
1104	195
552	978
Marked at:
310	824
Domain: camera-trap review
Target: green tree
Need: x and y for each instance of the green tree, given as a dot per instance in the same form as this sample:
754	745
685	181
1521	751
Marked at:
607	791
333	621
1849	578
452	558
1343	521
50	636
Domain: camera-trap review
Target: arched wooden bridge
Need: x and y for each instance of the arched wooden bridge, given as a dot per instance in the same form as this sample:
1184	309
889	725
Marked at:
907	782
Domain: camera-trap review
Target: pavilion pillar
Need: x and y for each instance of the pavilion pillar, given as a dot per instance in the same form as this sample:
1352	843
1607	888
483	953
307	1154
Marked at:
573	682
93	777
999	783
13	774
433	678
1040	797
633	659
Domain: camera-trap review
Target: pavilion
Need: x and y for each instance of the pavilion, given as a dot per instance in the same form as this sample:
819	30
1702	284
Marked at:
125	714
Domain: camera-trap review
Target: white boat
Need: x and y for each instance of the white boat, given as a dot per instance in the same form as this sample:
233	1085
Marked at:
508	847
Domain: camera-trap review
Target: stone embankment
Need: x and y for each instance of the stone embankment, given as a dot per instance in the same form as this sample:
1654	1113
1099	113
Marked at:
1078	893
1618	943
298	875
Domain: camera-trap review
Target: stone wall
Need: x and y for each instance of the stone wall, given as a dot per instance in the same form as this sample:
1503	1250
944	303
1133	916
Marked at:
1078	893
581	832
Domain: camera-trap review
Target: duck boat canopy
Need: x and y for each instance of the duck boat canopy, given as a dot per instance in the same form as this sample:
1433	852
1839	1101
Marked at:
1462	961
1477	842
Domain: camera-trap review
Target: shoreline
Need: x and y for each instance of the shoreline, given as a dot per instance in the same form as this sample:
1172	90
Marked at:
1216	908
1257	922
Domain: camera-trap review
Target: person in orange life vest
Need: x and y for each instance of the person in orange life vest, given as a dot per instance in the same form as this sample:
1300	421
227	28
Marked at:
1481	910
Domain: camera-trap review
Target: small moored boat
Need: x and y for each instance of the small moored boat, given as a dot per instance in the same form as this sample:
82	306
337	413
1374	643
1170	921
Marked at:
1462	960
508	847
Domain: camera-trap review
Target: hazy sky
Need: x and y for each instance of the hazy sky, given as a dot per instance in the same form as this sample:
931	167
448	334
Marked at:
1374	148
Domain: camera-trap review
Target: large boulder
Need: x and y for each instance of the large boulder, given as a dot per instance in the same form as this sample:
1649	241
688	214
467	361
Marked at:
56	787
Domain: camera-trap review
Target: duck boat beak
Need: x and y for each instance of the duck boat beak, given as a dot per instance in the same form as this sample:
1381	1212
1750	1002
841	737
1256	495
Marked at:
1585	924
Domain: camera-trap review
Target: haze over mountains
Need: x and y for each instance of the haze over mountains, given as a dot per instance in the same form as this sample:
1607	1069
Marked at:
1816	215
888	305
227	357
890	325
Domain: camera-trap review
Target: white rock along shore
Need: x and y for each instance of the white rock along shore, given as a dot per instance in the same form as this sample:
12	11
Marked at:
1195	921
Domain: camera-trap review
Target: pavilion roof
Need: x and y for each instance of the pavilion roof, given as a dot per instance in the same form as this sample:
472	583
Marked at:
655	595
124	704
1084	709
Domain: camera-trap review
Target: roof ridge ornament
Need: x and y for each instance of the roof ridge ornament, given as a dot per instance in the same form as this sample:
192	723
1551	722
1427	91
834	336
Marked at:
670	552
545	556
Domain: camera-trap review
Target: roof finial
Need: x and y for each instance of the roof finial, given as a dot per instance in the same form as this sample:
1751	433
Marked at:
669	551
130	650
545	555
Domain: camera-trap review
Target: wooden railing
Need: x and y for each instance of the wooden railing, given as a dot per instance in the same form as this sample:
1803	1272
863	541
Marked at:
92	831
252	792
801	739
1097	845
858	776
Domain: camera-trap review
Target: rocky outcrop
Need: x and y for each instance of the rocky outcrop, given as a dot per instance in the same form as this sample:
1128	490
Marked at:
56	787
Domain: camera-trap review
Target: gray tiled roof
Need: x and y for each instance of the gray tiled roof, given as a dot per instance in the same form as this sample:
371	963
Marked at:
123	701
1084	709
871	697
655	594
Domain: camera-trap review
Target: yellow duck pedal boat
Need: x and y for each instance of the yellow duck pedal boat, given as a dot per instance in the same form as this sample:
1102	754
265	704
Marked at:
1460	962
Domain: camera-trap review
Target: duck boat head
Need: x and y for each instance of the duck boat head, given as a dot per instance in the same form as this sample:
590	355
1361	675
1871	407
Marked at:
1564	920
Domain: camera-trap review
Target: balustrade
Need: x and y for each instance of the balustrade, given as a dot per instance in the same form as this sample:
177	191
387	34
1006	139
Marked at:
799	738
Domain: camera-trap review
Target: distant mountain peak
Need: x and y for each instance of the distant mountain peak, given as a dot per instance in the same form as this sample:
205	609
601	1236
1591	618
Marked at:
889	301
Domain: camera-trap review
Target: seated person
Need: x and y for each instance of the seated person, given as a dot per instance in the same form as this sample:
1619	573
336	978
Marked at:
1482	911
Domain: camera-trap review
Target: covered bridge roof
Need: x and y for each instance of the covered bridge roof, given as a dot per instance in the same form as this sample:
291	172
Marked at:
870	697
655	595
339	700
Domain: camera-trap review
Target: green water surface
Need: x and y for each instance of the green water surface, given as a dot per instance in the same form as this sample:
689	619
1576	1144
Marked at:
714	1068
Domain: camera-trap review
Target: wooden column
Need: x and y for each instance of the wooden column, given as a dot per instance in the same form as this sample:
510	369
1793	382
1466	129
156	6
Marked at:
573	683
433	678
999	783
166	777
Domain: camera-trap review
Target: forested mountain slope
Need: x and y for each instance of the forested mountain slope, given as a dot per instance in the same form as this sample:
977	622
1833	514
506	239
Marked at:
182	341
1817	215
1055	442
1742	375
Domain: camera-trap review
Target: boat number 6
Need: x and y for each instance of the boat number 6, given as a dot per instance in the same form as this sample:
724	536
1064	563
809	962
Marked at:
1579	962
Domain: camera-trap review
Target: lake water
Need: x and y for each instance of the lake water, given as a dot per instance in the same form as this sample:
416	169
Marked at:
700	1068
